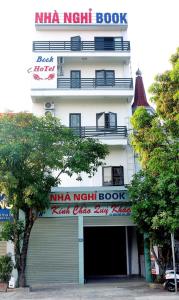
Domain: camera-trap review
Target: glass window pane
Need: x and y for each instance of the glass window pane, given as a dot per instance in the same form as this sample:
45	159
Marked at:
117	171
107	123
100	121
118	175
110	80
99	43
75	120
100	78
107	179
109	74
75	79
99	74
112	120
118	181
76	43
118	43
104	43
108	43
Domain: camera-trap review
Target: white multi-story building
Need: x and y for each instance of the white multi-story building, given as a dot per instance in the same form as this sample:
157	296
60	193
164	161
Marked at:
81	74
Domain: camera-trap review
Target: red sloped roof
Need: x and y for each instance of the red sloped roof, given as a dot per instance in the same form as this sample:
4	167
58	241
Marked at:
140	98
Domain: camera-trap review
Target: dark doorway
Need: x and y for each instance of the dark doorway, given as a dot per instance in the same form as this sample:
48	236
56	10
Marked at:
75	123
104	251
75	79
76	43
104	43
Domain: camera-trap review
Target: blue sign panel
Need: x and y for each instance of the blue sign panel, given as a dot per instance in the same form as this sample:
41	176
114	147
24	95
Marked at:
5	215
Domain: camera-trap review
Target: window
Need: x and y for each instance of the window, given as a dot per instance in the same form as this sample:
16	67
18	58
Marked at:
76	43
106	120
118	43
104	43
75	79
75	123
113	176
75	120
105	78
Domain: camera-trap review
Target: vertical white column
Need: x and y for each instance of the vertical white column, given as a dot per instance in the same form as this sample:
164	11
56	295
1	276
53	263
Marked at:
81	249
127	250
134	253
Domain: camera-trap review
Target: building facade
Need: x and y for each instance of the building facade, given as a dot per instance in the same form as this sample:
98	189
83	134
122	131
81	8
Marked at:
81	74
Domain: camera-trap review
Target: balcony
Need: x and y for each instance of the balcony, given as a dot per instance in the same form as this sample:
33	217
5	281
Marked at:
116	135
83	46
92	131
85	89
95	83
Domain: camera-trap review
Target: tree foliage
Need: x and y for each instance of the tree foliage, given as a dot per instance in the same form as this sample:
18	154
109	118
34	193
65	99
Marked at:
34	152
154	190
165	91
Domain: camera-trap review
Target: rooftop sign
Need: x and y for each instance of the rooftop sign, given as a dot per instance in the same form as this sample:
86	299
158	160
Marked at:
88	18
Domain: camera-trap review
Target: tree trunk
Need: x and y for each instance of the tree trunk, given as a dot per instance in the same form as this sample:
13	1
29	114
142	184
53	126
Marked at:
158	261
16	243
28	226
17	258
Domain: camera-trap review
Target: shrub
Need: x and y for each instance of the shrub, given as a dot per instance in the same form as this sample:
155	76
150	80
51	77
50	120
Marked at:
6	266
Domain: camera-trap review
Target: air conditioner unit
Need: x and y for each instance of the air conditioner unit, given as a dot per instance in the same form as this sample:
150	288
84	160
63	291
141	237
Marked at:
49	106
49	112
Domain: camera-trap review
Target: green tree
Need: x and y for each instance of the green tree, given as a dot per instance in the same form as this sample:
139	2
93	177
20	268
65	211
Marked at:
34	152
154	190
165	91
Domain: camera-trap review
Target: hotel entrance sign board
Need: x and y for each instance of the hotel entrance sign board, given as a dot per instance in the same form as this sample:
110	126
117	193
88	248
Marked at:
57	211
92	197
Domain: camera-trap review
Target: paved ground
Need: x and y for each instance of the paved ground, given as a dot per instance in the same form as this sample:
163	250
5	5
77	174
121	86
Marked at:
118	290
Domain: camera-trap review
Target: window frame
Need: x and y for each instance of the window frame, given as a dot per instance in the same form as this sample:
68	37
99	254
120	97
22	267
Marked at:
120	177
104	81
101	45
106	126
70	121
76	45
77	130
78	80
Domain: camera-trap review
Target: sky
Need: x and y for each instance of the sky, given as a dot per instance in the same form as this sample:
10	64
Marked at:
153	31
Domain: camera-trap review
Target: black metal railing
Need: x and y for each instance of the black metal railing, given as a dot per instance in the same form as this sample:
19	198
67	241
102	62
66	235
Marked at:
93	131
55	46
94	83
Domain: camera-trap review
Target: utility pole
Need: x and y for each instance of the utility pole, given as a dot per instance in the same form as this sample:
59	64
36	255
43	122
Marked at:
173	257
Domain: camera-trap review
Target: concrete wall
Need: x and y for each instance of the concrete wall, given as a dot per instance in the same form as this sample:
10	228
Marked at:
65	35
88	110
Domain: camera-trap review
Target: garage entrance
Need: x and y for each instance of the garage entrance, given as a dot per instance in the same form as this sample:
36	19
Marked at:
104	251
